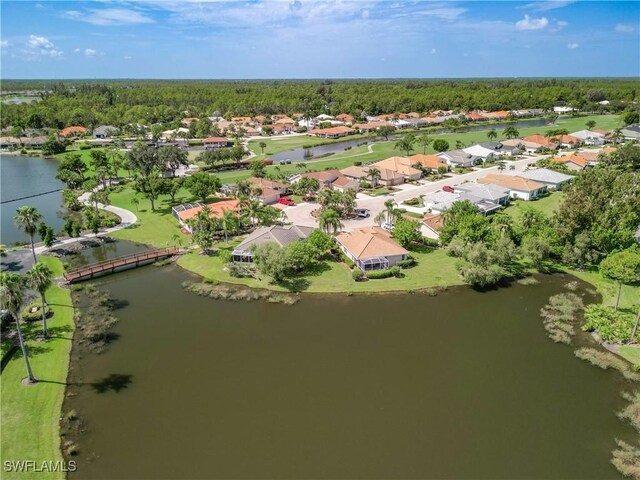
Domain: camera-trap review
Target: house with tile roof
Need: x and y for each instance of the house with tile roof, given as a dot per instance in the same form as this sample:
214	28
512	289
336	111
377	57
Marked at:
74	131
183	213
371	248
333	179
518	187
490	192
572	162
552	179
281	235
332	132
459	158
427	161
401	165
590	137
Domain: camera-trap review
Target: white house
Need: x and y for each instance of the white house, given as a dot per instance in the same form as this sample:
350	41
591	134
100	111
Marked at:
589	138
552	179
518	187
564	109
486	154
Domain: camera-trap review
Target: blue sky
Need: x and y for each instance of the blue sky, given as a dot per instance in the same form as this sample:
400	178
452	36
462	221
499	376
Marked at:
318	39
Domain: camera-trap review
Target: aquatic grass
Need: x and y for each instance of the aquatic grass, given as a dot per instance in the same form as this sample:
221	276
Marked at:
528	281
607	360
626	458
238	293
559	316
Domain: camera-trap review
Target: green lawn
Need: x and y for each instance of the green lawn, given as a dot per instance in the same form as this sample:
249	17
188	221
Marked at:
153	228
548	204
631	353
30	415
434	269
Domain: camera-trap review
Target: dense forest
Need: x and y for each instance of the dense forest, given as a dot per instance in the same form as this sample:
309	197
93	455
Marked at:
118	102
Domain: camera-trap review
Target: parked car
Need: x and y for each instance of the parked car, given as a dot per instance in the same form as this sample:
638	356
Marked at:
362	212
387	226
286	201
447	188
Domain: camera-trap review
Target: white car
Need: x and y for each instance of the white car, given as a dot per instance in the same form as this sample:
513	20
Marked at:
387	226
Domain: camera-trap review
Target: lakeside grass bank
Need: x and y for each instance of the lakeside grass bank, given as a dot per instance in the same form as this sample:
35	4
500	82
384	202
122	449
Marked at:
30	418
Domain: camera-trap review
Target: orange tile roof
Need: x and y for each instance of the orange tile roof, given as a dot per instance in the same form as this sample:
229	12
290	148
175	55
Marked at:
65	132
511	182
435	221
582	161
332	130
345	117
215	140
541	140
265	183
369	242
401	165
427	161
216	209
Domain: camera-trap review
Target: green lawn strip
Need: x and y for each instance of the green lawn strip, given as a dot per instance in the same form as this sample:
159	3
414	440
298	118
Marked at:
152	228
30	415
630	353
434	269
547	205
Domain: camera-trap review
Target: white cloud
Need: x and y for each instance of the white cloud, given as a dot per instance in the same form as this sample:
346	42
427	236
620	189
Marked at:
127	57
109	16
4	43
623	28
90	52
365	13
443	13
528	23
433	51
42	46
572	46
547	5
77	50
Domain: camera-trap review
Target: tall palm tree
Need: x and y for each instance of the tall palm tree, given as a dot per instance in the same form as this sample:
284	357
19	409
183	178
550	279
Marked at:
40	278
511	132
27	219
424	141
12	296
329	221
405	144
390	210
374	175
492	134
252	209
228	223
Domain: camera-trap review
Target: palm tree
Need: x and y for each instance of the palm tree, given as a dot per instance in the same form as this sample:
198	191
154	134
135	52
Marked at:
405	144
12	296
511	132
262	146
590	124
326	198
228	223
390	210
492	134
329	221
374	175
40	278
135	201
27	219
424	141
252	209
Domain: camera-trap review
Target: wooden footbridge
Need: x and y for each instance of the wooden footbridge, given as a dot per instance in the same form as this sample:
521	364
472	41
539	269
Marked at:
118	264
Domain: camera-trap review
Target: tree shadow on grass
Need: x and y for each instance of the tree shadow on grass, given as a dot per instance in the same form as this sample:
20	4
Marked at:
112	383
295	284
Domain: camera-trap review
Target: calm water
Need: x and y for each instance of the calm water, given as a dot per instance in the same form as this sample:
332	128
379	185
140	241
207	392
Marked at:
462	385
305	154
22	176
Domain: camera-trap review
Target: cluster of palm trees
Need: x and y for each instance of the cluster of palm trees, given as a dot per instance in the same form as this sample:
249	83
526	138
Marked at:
389	215
12	295
334	206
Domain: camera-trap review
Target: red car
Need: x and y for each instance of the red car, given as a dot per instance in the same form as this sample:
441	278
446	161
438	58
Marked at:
286	201
447	188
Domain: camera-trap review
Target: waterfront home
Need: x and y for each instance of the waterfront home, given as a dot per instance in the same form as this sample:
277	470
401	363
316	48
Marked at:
371	126
387	178
564	109
552	179
572	162
400	165
427	161
281	235
371	248
333	179
493	193
74	131
280	128
216	142
590	137
518	187
332	132
187	211
104	131
459	158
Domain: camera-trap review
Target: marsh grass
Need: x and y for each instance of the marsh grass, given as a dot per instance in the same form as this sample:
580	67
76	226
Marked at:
559	316
606	360
238	293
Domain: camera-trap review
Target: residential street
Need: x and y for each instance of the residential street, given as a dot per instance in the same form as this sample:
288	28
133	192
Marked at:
300	214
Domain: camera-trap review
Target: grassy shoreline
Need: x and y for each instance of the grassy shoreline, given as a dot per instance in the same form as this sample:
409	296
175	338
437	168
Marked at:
30	418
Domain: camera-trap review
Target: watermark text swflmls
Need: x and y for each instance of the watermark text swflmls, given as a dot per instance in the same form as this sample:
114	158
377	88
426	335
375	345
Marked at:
38	466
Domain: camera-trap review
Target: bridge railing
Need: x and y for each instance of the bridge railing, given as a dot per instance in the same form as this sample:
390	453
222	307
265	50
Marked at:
119	261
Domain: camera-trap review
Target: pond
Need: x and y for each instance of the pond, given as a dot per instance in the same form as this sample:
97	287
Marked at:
313	153
20	177
460	385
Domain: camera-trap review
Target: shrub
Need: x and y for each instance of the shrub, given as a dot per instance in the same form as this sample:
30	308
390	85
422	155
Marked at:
357	275
396	271
612	326
412	201
357	164
85	146
408	263
28	316
377	274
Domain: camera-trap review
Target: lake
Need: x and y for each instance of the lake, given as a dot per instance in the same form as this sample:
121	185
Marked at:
22	176
460	385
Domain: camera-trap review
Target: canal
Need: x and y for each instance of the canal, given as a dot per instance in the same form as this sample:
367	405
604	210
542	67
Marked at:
460	385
